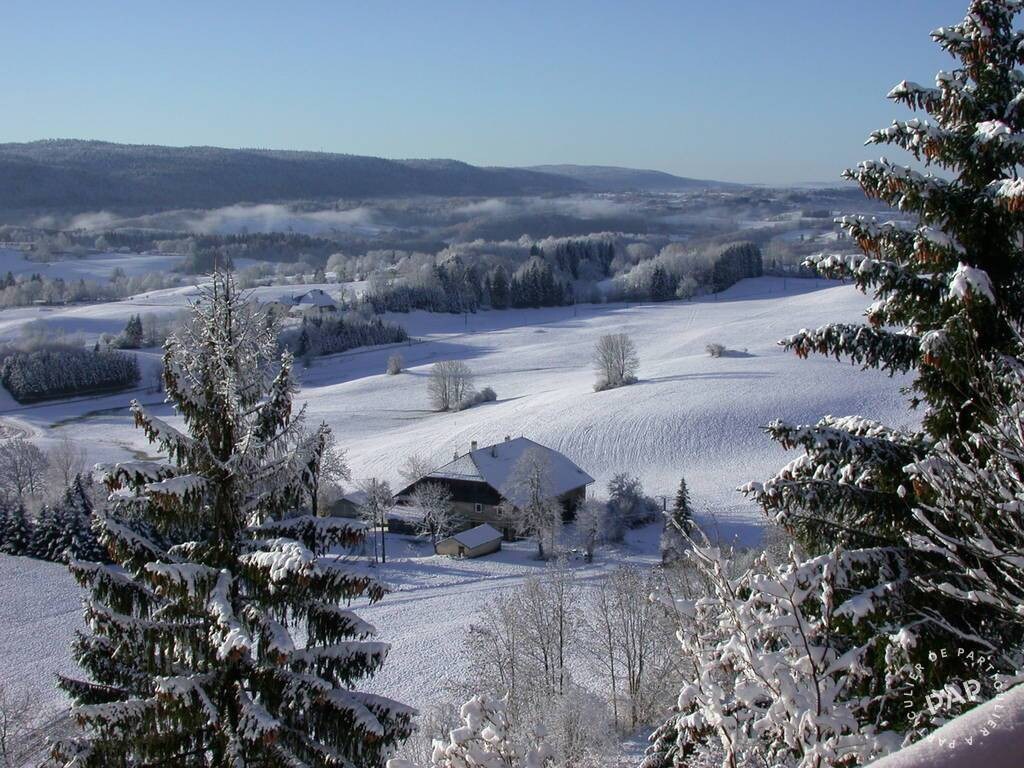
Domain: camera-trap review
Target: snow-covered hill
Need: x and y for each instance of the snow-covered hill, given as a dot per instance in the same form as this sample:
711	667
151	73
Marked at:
690	414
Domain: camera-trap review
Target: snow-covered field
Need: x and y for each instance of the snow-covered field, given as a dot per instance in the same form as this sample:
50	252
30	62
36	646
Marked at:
689	415
93	267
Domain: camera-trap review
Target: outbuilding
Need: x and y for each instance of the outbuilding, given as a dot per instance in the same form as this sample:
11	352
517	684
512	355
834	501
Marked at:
481	540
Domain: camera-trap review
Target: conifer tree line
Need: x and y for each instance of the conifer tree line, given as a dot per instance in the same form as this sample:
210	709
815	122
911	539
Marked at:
63	370
325	335
59	532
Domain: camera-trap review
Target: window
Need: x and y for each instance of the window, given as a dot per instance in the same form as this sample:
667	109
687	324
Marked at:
478	508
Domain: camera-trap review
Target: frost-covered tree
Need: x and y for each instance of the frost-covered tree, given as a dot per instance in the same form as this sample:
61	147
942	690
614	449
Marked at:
378	502
972	518
396	364
15	531
67	460
221	637
449	385
531	504
483	742
616	360
22	469
433	504
771	680
628	507
591	526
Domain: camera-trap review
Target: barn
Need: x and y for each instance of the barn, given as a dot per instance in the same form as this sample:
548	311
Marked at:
477	541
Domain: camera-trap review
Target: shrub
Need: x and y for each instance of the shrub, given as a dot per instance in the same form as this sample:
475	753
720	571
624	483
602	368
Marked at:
485	395
395	364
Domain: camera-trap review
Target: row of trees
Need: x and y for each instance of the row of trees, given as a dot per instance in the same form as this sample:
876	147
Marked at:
26	290
60	532
61	371
324	335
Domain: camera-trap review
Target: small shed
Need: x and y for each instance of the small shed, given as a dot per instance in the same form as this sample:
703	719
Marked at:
481	540
348	505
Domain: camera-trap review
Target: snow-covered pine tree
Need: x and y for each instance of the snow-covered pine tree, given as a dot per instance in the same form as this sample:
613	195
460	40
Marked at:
678	525
221	638
17	531
949	296
48	540
972	518
76	512
948	292
132	335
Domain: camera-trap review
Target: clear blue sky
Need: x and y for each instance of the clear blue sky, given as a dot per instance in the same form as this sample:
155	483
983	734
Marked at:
744	90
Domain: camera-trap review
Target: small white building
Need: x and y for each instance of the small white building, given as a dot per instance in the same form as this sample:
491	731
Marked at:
481	540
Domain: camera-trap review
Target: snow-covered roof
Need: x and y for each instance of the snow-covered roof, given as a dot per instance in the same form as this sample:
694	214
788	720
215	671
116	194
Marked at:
494	465
358	498
317	297
474	537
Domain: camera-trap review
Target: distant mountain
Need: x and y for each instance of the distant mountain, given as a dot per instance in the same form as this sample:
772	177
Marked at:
607	178
90	175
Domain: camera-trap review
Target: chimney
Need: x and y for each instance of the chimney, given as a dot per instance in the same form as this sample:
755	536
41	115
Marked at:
508	438
494	451
456	456
472	446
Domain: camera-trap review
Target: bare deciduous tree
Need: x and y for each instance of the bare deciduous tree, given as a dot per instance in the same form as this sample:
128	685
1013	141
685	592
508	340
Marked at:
374	511
415	467
450	383
591	526
616	359
17	723
621	638
396	363
548	610
67	461
433	501
334	471
530	503
22	469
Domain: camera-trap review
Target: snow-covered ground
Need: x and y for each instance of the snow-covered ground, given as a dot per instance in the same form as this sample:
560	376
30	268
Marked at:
689	415
93	267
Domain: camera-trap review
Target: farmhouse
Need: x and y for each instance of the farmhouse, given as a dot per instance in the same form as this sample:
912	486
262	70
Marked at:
481	540
316	301
479	481
313	302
